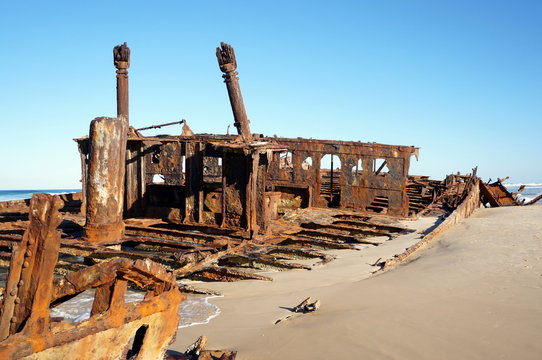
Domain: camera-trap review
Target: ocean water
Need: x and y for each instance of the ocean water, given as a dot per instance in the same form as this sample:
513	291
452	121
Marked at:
195	310
531	191
6	195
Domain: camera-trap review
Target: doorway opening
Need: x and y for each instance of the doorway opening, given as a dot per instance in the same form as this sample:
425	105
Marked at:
330	180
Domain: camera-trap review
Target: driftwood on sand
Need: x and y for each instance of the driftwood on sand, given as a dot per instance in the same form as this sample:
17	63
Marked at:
304	307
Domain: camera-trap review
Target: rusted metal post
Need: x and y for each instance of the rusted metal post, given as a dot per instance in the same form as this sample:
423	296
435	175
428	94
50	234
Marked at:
105	187
30	279
228	65
331	182
194	183
121	59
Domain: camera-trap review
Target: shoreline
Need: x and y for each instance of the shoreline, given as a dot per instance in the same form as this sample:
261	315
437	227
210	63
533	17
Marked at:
291	286
468	295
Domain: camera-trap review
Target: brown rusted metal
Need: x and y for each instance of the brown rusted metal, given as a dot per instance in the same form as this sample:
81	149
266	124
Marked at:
202	251
534	200
29	284
105	185
162	125
197	351
228	64
468	202
121	60
495	194
115	329
212	179
422	192
346	187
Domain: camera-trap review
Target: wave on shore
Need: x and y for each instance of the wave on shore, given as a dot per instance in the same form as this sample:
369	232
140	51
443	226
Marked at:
531	191
195	310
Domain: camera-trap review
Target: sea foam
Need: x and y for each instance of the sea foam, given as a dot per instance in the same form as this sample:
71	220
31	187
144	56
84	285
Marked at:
530	192
195	310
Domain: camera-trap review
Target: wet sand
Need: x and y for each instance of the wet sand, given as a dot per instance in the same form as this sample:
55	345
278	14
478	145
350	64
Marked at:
476	293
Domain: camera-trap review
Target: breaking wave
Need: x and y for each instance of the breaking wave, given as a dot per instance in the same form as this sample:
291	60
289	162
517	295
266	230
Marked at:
531	191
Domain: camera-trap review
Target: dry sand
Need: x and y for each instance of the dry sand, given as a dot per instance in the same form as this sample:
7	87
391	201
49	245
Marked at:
475	294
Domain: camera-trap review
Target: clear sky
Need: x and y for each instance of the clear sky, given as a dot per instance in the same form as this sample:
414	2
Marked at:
460	79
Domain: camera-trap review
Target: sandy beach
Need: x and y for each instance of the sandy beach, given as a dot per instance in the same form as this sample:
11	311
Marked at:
475	293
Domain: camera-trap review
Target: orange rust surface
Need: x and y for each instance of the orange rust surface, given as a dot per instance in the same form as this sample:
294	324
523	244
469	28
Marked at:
497	195
115	329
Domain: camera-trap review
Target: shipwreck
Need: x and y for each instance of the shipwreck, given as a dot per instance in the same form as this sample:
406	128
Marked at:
157	209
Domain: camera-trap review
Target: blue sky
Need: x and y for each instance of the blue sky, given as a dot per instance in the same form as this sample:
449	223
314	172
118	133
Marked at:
460	79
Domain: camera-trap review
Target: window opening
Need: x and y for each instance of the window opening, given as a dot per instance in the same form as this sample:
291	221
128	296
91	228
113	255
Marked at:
183	169
357	169
307	163
158	179
330	175
212	169
381	167
155	158
286	160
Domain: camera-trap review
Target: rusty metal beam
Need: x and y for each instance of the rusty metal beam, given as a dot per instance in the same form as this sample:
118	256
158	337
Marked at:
29	283
121	60
228	64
